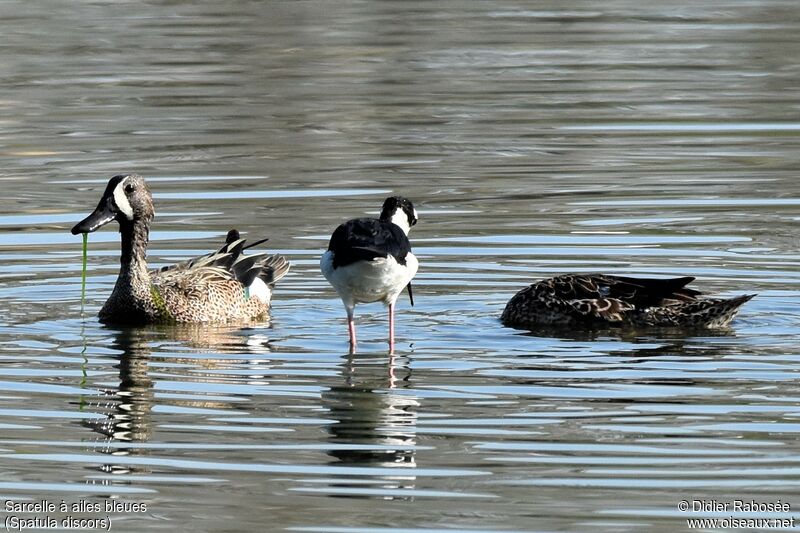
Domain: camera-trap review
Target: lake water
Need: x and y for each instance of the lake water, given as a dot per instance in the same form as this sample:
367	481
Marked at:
535	138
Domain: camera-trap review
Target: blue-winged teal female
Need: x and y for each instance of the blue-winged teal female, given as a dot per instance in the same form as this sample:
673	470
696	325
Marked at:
598	300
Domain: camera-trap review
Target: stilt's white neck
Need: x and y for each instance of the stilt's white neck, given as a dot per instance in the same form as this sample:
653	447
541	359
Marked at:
401	219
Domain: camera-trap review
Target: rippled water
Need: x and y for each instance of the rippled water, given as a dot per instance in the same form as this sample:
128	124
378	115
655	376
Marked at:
535	138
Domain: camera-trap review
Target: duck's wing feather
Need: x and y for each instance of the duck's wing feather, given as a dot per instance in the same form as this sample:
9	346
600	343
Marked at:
637	292
273	268
226	264
223	258
611	298
247	268
364	239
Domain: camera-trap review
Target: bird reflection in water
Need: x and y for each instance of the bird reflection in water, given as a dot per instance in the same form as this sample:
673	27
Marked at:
128	407
375	413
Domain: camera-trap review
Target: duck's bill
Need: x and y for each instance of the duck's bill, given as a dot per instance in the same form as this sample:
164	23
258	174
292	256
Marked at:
99	218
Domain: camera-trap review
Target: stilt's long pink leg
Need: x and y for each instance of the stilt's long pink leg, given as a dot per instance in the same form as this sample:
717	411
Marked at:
391	328
351	329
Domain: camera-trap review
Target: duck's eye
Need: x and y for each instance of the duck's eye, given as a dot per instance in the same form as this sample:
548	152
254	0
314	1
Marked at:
129	188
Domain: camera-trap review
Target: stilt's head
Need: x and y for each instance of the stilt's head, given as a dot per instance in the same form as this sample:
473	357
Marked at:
400	211
126	199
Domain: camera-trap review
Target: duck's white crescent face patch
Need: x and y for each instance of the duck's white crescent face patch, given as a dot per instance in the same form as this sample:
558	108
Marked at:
122	201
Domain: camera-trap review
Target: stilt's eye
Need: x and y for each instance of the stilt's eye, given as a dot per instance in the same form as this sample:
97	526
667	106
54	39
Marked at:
129	188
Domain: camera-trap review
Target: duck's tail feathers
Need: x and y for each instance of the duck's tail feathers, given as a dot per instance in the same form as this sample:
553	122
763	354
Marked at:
714	312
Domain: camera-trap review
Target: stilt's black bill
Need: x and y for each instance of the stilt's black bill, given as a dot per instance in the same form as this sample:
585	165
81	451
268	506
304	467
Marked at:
410	294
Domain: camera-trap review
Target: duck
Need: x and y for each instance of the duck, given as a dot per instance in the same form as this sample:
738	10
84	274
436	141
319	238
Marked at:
223	286
370	260
600	300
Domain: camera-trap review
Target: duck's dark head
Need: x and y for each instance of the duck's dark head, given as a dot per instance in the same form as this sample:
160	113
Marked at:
127	199
233	236
399	210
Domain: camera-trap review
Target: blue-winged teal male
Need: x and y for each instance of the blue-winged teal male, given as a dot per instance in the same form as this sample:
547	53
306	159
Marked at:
223	286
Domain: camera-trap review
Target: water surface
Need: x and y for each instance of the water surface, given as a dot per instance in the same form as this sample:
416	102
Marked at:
535	140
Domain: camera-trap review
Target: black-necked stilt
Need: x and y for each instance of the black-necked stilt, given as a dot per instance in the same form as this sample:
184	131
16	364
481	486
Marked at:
370	260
